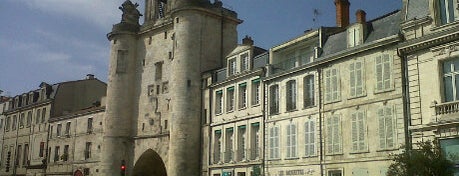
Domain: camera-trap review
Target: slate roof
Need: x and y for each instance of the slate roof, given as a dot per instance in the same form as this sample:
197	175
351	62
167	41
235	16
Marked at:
379	28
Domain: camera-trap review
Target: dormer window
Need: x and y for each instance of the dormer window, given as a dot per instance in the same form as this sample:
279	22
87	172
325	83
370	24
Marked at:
231	66
448	11
245	61
354	35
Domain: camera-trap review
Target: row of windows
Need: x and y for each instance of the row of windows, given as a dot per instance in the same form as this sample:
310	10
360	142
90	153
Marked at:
243	151
27	99
334	135
244	64
65	154
242	97
22	121
332	88
291	95
89	129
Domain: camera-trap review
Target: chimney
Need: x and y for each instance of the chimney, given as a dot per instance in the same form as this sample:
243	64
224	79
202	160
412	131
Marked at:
89	76
361	16
247	40
342	13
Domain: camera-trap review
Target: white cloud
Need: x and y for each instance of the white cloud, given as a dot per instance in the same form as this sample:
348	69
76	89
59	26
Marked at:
102	13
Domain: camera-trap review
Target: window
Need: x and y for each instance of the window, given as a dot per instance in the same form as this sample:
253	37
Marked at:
291	95
332	86
451	80
89	128
356	79
333	132
242	95
255	92
67	129
50	132
7	123
65	156
255	141
158	71
353	36
231	66
29	118
217	146
306	55
274	99
218	102
21	120
450	147
42	149
358	135
274	142
230	99
43	115
37	116
309	138
15	122
448	11
241	147
59	130
229	145
87	151
26	155
121	61
291	140
56	153
1	123
245	61
386	128
308	91
383	73
18	155
335	173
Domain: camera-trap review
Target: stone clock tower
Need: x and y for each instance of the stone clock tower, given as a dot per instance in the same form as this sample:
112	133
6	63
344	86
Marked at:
153	111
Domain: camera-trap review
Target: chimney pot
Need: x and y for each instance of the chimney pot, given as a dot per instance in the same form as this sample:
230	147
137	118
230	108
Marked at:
89	76
247	40
361	16
342	13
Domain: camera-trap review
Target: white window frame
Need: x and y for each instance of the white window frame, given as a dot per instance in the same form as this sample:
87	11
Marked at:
332	85
256	92
274	147
230	99
386	127
359	131
219	102
291	143
242	89
357	79
274	99
309	138
232	66
245	61
450	11
333	140
354	36
452	74
291	95
386	81
309	91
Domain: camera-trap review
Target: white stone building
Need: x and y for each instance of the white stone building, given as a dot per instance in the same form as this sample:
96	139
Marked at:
430	57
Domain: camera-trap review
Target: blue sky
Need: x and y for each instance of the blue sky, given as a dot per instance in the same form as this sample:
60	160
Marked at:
62	40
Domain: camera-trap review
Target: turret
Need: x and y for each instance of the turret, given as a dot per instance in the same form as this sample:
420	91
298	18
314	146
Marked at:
118	131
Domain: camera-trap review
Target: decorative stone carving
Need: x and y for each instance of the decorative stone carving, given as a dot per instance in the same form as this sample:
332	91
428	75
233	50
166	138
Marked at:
130	13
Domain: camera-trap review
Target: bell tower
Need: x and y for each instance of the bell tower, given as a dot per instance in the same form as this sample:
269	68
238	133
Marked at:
154	111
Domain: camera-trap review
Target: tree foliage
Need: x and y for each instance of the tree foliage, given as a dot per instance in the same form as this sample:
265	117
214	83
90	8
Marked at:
426	159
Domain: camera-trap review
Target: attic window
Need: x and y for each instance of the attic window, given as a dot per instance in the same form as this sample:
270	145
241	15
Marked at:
354	36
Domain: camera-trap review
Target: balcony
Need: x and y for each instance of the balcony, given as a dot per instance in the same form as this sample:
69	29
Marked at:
445	112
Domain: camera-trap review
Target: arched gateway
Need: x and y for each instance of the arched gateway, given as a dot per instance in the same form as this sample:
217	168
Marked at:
149	164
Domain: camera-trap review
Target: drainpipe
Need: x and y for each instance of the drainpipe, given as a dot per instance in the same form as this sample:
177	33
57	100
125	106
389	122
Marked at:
319	88
406	99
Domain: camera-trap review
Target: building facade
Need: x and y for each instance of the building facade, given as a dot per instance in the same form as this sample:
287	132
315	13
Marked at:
26	129
430	56
234	97
76	142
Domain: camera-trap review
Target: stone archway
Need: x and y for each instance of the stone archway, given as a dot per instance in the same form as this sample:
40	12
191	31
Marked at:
149	164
